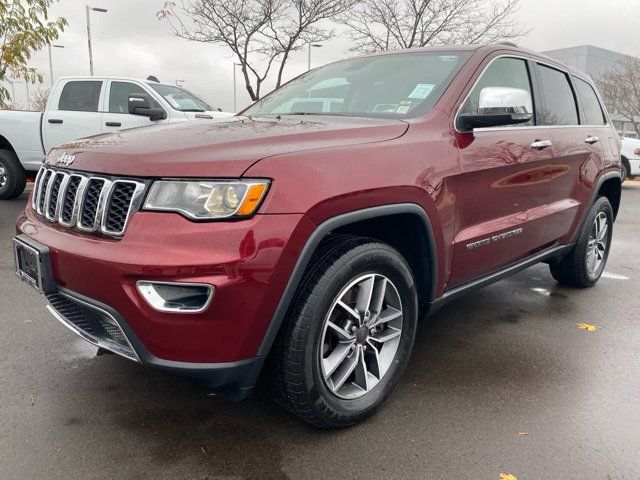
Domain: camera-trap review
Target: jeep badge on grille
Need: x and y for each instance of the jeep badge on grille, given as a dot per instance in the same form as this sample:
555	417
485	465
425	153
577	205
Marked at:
65	159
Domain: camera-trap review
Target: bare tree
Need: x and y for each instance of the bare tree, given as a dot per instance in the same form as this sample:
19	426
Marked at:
380	25
620	90
259	33
39	103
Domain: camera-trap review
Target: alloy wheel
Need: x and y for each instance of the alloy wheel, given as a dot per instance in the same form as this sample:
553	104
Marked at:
361	336
597	245
3	176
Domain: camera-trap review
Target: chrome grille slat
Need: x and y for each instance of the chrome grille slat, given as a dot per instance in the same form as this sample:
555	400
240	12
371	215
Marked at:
88	203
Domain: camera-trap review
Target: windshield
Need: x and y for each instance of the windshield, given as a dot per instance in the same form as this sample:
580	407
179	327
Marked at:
398	86
180	99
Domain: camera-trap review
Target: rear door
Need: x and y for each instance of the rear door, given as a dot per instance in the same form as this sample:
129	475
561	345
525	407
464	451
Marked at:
75	113
117	116
503	187
579	135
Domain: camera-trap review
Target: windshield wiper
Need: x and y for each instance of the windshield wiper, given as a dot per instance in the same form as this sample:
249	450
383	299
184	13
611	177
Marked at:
192	110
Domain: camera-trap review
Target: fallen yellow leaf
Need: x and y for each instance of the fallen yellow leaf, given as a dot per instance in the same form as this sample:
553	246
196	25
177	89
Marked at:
587	327
507	476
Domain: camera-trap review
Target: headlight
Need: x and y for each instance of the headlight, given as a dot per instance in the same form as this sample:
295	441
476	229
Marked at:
636	152
207	200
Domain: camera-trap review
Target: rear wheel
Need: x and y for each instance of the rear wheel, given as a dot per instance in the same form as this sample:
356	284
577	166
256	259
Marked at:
624	171
13	178
349	335
584	264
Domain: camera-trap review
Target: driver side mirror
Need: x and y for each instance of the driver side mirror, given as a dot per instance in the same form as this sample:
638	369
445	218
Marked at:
498	107
140	105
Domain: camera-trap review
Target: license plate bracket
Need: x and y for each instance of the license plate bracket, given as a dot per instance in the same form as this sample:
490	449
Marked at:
33	264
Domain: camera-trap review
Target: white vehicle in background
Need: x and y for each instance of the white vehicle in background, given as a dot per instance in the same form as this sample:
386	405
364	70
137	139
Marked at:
630	158
80	107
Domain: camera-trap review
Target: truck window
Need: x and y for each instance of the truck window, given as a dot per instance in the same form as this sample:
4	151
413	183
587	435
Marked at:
559	104
80	96
503	72
119	96
593	114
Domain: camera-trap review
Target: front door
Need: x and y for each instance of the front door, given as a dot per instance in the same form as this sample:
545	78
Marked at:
503	187
117	116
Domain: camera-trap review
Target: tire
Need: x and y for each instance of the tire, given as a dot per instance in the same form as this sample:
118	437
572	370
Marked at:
304	353
13	178
624	171
577	269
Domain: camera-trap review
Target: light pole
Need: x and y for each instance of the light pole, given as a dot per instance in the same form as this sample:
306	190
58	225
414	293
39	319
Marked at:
89	9
315	45
51	62
235	102
13	93
28	95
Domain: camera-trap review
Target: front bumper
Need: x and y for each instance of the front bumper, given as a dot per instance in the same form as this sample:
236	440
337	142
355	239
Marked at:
248	263
102	326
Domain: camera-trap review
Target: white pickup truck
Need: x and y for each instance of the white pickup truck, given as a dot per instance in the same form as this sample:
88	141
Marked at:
80	107
630	158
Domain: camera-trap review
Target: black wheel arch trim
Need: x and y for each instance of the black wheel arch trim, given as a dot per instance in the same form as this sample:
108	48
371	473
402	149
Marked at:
594	196
321	232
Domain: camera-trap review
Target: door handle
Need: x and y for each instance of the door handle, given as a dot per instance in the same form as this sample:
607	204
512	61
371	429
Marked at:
113	124
592	139
55	120
540	144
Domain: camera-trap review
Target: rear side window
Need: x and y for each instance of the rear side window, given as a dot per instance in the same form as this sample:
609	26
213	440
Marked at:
503	72
81	96
593	114
559	104
119	96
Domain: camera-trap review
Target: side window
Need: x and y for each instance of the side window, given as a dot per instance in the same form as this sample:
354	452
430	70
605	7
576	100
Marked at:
81	96
593	114
503	72
559	104
119	96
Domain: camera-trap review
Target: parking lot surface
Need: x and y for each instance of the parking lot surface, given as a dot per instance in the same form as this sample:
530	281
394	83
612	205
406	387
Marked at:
501	381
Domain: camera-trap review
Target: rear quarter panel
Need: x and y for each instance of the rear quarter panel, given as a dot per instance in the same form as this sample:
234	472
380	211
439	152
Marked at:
21	130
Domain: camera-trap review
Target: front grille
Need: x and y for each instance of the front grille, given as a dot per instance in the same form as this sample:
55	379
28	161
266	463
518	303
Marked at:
66	213
52	204
92	324
118	206
96	204
90	203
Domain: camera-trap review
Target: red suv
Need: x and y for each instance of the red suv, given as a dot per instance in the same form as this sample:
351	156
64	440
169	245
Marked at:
312	231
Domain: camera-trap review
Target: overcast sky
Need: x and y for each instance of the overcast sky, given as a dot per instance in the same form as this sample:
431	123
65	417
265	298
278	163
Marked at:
129	41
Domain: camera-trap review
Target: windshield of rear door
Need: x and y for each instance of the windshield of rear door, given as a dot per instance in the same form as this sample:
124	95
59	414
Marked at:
180	99
403	85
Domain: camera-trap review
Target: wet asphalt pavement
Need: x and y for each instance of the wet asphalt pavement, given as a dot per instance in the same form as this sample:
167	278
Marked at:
502	381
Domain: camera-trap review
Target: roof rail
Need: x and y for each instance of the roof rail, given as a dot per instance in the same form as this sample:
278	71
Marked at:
507	44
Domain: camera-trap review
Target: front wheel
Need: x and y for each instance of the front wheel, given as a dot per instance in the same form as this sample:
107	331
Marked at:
584	264
349	335
13	178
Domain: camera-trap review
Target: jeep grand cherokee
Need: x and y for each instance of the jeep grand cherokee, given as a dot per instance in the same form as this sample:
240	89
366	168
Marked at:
310	232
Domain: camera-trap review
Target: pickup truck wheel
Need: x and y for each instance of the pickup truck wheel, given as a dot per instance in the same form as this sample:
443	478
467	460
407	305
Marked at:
349	334
584	264
13	178
624	170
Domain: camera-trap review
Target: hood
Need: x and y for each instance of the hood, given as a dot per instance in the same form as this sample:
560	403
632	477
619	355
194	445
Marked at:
216	148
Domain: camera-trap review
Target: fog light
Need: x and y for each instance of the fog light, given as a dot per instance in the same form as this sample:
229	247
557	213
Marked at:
176	297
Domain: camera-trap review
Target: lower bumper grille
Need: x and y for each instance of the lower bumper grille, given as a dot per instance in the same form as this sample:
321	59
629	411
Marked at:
93	324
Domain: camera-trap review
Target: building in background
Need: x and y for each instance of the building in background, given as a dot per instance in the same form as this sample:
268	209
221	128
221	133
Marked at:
595	61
